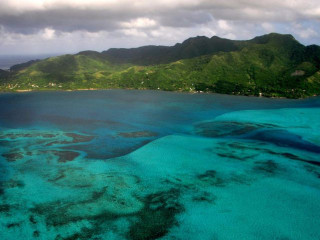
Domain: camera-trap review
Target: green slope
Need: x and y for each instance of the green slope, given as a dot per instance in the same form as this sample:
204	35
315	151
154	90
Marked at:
190	48
4	75
269	65
83	70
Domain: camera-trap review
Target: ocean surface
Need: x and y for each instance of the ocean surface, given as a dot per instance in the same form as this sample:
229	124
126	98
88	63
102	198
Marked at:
7	61
126	164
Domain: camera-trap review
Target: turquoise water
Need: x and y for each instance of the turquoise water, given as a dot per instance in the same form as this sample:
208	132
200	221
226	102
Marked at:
123	164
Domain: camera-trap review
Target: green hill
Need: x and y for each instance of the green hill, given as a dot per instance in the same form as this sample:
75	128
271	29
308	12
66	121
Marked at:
150	55
270	65
4	75
21	66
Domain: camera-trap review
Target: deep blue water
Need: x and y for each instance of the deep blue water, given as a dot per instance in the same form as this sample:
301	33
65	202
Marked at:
125	164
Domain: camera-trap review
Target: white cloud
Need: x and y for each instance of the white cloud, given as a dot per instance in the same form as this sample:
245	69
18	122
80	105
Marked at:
303	31
140	23
223	24
48	33
134	32
74	25
268	27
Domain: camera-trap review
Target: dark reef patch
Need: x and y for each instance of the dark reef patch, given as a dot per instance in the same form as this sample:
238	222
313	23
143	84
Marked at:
83	234
56	215
57	143
63	176
236	156
284	138
32	219
99	207
292	157
234	151
12	225
58	177
204	197
313	170
157	217
227	128
244	146
240	178
138	134
210	177
13	156
4	143
65	156
14	136
76	138
288	155
268	166
237	150
36	234
5	208
12	184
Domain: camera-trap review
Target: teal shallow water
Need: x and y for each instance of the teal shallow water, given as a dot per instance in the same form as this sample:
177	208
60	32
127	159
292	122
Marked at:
155	165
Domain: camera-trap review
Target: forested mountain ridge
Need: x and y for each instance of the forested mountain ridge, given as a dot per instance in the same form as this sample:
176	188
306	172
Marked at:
269	65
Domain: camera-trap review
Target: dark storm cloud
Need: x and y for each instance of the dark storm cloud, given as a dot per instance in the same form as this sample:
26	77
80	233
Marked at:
50	23
71	19
184	18
66	20
108	15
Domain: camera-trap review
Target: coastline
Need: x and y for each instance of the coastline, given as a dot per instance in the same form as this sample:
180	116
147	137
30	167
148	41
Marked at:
160	90
51	90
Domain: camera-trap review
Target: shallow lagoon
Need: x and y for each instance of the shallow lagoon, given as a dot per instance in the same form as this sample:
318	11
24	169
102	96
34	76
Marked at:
122	164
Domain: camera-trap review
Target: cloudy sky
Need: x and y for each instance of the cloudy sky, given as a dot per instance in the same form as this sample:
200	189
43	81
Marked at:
68	26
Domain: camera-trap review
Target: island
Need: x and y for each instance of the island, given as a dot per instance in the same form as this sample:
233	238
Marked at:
272	65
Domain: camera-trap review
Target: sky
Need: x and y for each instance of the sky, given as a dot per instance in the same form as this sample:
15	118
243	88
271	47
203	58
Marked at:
70	26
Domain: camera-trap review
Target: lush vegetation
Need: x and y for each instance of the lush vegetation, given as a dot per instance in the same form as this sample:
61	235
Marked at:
270	65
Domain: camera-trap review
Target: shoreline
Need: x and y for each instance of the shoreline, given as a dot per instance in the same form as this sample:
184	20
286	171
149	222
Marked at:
105	89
